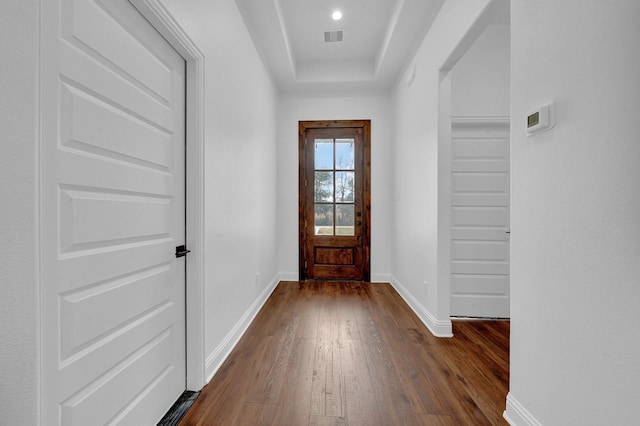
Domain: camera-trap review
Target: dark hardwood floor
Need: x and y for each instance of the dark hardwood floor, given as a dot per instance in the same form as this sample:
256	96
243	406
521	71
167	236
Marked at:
330	353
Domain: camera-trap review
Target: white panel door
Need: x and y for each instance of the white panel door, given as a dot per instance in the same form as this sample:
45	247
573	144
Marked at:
113	212
480	219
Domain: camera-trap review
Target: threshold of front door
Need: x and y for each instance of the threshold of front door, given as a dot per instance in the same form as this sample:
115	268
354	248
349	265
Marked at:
179	409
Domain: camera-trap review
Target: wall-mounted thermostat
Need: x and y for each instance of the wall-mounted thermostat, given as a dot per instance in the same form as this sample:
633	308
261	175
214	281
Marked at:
542	119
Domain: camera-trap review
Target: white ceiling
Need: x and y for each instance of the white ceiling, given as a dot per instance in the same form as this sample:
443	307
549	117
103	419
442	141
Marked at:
380	36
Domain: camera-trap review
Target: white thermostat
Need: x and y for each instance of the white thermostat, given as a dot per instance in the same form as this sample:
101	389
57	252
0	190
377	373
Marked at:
542	119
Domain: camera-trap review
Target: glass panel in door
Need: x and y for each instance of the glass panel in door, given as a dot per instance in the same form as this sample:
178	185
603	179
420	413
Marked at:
334	191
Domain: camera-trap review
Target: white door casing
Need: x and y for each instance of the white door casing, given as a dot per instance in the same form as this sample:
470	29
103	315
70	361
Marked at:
480	197
113	210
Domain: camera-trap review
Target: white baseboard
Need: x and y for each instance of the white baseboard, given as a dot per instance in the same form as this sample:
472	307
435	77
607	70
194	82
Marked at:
517	415
438	328
222	351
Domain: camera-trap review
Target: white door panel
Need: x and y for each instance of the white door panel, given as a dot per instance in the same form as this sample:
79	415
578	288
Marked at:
473	144
88	22
480	219
129	138
86	73
89	364
486	182
479	235
113	301
480	166
480	268
479	251
139	180
141	372
470	200
497	285
105	264
97	219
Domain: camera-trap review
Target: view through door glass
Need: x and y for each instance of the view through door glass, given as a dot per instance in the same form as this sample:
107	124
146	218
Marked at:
334	191
334	201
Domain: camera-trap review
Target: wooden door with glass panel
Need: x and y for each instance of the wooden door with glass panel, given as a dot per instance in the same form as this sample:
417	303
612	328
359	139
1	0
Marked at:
334	200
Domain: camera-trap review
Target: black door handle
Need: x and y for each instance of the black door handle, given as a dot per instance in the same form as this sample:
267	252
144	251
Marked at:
182	251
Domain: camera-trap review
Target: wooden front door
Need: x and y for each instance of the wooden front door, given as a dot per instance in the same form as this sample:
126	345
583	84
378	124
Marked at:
335	199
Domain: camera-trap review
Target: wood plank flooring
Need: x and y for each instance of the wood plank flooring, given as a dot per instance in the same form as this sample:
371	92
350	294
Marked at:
336	353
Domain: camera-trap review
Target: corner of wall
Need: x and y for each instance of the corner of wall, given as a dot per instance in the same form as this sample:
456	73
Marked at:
381	278
437	327
215	360
288	276
516	415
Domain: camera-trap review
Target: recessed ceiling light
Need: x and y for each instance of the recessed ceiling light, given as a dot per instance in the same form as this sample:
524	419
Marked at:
337	15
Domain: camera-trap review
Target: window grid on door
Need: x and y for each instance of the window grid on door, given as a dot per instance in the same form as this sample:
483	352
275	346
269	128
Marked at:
334	187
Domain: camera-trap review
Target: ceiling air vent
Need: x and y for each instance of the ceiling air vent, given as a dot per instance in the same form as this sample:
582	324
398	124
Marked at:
332	36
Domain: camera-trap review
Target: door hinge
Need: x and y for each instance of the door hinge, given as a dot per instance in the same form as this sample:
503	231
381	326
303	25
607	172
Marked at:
182	251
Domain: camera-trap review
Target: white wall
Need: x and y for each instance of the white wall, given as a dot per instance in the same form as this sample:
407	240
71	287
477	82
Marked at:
18	224
294	109
480	79
240	169
575	263
421	167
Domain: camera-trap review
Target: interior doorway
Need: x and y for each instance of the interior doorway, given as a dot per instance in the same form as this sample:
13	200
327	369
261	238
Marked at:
479	163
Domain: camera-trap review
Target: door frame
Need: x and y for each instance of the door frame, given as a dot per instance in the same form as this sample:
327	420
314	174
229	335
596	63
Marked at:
440	325
365	125
166	25
162	20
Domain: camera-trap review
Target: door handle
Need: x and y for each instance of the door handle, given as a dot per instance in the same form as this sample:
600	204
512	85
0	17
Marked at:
182	251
